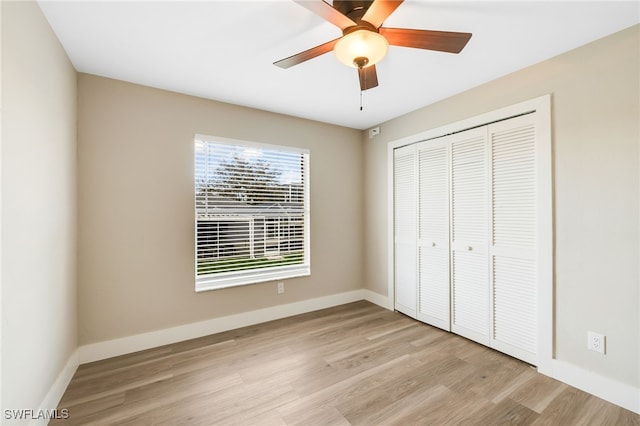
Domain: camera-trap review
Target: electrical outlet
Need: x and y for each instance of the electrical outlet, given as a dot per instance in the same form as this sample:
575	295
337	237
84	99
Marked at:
280	288
596	342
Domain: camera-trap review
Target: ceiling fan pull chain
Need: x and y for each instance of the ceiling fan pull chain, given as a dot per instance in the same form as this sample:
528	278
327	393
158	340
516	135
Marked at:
364	78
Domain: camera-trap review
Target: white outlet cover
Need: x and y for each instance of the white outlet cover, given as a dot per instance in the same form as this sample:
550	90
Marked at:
596	342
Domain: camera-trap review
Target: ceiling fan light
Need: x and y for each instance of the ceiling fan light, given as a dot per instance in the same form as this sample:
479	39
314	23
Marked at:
367	44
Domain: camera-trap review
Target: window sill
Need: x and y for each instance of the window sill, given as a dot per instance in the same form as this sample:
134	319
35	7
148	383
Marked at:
235	279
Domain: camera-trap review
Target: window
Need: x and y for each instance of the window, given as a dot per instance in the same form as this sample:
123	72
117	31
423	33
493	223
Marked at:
252	212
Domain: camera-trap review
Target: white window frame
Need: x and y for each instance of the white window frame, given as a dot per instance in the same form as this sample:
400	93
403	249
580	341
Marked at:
253	276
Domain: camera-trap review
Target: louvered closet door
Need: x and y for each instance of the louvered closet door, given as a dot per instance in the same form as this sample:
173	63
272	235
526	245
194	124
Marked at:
433	233
513	237
405	229
469	251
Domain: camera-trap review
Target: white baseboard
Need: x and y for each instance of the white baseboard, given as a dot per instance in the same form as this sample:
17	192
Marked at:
378	299
53	397
107	349
618	393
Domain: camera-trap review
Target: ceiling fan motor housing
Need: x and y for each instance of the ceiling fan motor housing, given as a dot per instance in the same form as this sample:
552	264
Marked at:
354	10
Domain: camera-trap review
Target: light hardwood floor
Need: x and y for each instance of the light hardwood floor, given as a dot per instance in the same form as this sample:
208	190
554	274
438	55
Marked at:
354	364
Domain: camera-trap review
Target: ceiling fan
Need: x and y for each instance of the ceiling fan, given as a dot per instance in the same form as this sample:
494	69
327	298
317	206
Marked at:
364	41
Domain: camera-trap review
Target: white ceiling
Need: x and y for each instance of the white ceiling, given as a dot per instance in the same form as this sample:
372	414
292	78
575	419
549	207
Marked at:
224	50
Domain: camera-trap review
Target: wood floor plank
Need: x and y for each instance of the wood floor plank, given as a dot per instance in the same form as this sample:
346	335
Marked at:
508	412
355	364
405	410
538	392
599	412
491	382
563	408
436	406
99	367
318	416
517	382
95	405
327	394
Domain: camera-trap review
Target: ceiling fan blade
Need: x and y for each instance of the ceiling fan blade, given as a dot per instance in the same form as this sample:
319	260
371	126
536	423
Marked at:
299	58
380	10
368	77
327	12
443	41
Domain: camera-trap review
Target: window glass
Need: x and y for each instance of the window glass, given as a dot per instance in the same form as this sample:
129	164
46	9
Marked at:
252	212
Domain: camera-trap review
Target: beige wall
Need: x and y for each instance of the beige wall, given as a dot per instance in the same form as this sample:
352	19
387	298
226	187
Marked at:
595	118
39	329
136	222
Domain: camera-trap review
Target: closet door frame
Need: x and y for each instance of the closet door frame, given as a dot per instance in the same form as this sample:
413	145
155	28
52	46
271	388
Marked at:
545	248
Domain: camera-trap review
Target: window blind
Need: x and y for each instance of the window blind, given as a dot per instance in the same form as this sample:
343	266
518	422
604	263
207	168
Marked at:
252	213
